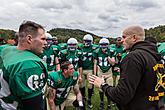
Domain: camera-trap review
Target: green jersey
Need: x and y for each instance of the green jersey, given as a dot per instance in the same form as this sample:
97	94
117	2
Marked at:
1	48
23	76
62	46
124	55
49	56
102	59
62	85
117	52
75	57
161	50
87	56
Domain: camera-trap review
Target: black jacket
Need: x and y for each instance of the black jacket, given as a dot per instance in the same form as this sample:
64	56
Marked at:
138	79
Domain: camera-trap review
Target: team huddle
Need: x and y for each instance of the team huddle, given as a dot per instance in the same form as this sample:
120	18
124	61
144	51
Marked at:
87	59
42	74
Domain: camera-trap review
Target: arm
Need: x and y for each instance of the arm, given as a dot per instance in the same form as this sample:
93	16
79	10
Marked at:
80	74
51	97
78	94
111	60
80	69
128	83
57	64
95	67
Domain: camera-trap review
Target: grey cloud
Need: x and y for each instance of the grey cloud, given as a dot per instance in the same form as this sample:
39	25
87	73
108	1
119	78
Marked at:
147	23
96	16
143	4
103	16
111	18
53	5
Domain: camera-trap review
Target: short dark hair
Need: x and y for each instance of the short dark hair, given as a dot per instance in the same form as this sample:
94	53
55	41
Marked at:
29	27
65	64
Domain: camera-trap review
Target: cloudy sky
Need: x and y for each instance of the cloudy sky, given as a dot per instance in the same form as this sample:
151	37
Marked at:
101	17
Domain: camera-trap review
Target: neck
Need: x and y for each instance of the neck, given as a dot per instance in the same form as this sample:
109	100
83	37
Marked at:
23	46
65	75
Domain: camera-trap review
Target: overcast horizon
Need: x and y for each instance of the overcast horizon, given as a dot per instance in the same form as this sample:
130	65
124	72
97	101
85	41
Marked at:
100	17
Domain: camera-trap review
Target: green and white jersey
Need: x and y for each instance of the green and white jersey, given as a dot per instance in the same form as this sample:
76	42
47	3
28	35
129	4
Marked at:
49	56
23	76
102	59
75	57
1	48
124	54
62	46
87	56
62	85
117	52
161	50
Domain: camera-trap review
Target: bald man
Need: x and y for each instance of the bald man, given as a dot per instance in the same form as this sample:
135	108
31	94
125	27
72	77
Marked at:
140	86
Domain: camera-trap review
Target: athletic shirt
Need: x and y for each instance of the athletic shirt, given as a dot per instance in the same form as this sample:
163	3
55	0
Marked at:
48	57
72	56
23	76
62	85
102	59
87	56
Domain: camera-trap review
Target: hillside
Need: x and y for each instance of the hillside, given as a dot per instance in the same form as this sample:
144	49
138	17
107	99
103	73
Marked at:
64	34
157	32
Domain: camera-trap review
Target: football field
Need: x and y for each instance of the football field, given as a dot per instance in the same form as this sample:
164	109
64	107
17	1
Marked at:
95	102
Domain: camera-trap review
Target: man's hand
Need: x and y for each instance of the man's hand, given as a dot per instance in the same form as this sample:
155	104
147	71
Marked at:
93	79
80	79
51	97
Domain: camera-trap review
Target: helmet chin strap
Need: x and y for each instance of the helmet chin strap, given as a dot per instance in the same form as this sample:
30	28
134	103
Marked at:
104	49
87	44
71	48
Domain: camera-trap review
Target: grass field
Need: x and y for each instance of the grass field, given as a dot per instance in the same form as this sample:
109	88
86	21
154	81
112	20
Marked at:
96	102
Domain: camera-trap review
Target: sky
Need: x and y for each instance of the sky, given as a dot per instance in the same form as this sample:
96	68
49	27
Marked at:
100	17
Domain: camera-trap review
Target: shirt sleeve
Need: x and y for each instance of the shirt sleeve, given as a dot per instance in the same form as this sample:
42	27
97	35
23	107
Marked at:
27	83
131	73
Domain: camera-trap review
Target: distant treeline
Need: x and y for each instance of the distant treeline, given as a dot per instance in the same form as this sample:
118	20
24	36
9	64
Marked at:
64	34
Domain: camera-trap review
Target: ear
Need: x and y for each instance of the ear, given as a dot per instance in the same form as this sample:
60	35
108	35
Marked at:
29	39
64	70
135	38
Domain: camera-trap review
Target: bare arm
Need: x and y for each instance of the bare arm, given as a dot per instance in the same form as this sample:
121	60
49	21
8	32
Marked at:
111	60
80	74
51	97
57	64
95	67
77	92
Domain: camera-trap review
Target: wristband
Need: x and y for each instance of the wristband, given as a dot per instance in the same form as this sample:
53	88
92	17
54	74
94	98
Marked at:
80	103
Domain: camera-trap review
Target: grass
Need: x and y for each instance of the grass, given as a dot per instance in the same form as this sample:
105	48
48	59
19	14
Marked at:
96	102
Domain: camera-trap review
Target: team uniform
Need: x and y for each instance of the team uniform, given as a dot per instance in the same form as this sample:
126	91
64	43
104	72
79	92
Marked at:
62	46
1	48
63	86
104	67
161	50
49	55
22	78
118	50
75	57
87	66
103	60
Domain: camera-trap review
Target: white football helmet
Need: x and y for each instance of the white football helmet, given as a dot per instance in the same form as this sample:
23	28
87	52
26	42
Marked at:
72	44
104	43
49	39
88	40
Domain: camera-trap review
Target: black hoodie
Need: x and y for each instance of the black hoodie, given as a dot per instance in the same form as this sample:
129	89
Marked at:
137	88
